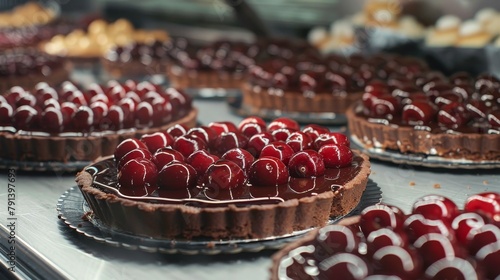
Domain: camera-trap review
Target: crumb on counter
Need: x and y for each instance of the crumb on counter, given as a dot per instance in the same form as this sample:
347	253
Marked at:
437	186
485	182
412	183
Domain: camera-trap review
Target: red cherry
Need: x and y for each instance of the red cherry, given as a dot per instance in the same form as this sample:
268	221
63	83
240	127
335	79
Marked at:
187	144
464	223
177	130
344	266
283	122
452	268
102	98
279	150
144	114
220	127
99	109
26	99
494	118
68	110
137	177
251	126
315	130
487	203
229	140
448	97
135	154
180	100
436	207
257	142
76	97
6	113
299	141
434	246
126	146
481	237
241	157
385	106
399	261
157	140
374	90
116	92
281	134
268	171
336	156
381	216
165	155
52	120
205	133
224	179
418	113
83	119
201	160
25	117
306	163
334	239
384	237
177	175
489	257
331	138
417	225
453	115
114	119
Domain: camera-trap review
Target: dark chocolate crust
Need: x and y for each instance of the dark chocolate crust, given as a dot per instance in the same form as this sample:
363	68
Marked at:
56	77
134	68
469	146
26	147
257	98
254	221
181	77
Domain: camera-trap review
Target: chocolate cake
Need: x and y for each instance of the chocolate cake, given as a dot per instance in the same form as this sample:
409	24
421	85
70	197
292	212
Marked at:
224	182
69	123
454	118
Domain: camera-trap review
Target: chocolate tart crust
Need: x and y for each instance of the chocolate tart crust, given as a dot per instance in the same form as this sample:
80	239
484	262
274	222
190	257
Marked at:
133	68
180	77
257	98
23	147
310	236
469	146
56	77
254	221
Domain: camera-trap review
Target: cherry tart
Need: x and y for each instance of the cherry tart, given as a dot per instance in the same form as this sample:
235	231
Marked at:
70	123
456	117
435	241
222	180
311	84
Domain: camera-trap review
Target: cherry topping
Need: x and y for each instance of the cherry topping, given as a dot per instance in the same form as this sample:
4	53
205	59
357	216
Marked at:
344	266
177	175
331	138
283	122
281	134
464	223
201	160
435	207
315	130
52	120
257	142
229	140
138	177
157	140
221	178
489	257
251	126
381	216
268	171
452	268
203	132
434	246
487	203
126	146
399	261
482	236
83	119
135	154
384	237
384	107
241	157
187	144
278	150
25	117
336	156
177	130
453	115
334	239
306	163
418	113
165	155
299	141
220	127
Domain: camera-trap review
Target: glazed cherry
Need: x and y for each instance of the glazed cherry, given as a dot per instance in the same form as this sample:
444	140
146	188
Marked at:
144	114
448	97
201	160
494	119
203	132
344	266
220	127
99	110
126	146
400	261
487	203
336	138
165	155
279	150
283	122
305	164
257	142
177	130
137	177
418	113
224	179
481	237
381	216
281	134
115	118
157	140
68	110
453	115
135	154
464	223
187	144
336	156
177	175
241	157
229	140
180	100
268	171
434	246
252	125
25	117
299	141
477	109
384	107
435	207
83	119
384	237
417	225
6	112
452	268
489	257
26	99
333	239
374	90
52	120
315	130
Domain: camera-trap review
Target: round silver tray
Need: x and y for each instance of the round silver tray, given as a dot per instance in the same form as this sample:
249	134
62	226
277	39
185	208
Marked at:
236	107
73	211
43	166
422	159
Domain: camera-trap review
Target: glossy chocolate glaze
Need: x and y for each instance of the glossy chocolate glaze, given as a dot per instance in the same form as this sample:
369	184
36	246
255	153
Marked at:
105	174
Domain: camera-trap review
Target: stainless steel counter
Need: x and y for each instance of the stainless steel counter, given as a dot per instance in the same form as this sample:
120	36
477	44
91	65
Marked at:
57	251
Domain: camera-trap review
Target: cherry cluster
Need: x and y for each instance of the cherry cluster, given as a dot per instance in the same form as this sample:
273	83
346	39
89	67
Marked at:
451	103
435	241
145	52
223	157
113	107
25	62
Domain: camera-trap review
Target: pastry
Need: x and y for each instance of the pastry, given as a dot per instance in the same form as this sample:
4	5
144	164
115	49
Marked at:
445	32
435	241
473	35
340	38
226	181
453	118
68	123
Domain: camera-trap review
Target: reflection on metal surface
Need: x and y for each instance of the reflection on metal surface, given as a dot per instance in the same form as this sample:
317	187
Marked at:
72	207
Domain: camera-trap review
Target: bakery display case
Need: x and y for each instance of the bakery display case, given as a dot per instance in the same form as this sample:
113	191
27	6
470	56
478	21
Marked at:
250	139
